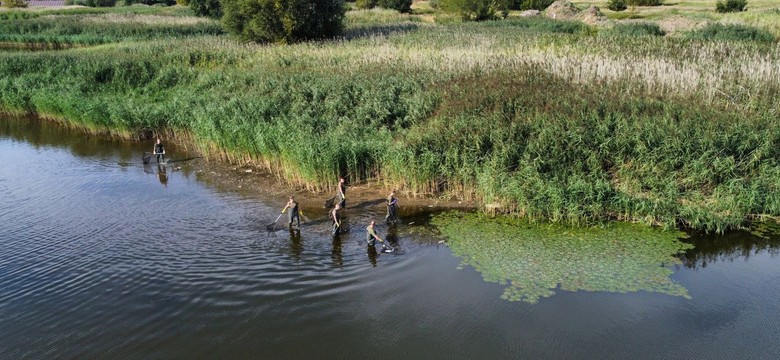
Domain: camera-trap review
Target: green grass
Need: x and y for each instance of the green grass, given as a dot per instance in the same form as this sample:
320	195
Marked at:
90	28
547	119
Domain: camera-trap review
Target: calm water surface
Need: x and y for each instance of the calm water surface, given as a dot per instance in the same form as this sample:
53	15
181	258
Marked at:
101	257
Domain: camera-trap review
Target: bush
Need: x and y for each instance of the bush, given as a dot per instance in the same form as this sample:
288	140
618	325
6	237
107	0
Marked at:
403	6
645	2
208	8
530	4
96	3
365	4
637	29
283	21
150	2
616	5
732	33
182	2
730	6
476	10
15	3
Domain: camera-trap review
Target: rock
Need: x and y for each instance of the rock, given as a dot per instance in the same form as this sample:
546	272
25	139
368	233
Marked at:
591	16
528	13
561	10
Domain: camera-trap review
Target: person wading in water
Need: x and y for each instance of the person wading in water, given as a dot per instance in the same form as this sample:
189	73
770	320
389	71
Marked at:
335	216
159	150
392	204
342	193
292	214
372	237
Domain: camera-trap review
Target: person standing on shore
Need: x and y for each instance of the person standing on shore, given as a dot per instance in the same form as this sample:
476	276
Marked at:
392	204
159	150
342	189
335	216
293	213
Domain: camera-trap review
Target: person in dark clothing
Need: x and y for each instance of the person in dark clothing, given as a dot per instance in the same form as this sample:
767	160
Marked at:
342	189
293	214
392	205
159	150
335	216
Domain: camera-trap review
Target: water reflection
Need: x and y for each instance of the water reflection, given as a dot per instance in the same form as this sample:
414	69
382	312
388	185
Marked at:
737	245
162	174
296	244
372	255
336	254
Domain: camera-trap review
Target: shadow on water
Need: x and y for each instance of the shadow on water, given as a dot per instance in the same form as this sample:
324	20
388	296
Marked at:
729	247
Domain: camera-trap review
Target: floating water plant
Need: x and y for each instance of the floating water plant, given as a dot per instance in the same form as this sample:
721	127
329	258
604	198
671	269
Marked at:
535	260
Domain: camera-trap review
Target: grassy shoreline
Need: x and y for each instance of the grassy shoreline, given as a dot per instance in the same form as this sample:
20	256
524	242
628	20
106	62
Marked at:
546	120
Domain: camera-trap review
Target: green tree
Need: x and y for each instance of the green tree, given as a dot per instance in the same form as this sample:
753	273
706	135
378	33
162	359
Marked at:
476	10
283	21
210	8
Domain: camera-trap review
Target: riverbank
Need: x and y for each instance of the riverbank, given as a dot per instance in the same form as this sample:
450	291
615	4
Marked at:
256	182
544	119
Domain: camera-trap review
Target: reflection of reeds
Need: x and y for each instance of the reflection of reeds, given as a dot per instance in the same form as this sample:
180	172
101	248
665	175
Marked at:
568	127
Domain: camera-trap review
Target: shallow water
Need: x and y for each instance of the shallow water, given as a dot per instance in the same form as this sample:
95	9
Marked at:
103	257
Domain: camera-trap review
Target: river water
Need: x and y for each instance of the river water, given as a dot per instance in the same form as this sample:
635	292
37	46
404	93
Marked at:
102	257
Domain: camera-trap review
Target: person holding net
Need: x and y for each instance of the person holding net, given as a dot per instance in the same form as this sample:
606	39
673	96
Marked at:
372	237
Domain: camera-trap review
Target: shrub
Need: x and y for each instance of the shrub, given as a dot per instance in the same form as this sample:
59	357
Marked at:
530	4
403	6
476	10
183	2
616	5
645	2
283	21
365	4
15	3
150	2
730	6
96	3
637	29
732	33
208	8
17	15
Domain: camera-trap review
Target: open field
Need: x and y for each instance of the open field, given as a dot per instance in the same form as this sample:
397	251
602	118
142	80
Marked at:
553	120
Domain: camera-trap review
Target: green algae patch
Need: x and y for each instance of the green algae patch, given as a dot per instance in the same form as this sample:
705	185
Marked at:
534	260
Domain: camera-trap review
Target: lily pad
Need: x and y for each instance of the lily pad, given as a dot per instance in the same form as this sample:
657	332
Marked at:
535	260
